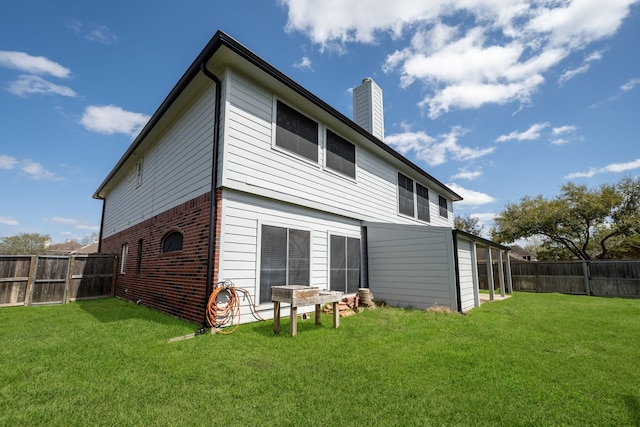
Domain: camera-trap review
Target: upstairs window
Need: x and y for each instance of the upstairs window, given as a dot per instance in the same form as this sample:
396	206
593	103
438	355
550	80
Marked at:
172	242
422	199
405	195
341	155
296	132
138	174
444	211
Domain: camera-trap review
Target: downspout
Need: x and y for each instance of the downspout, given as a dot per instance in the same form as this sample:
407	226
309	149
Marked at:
214	186
104	202
456	264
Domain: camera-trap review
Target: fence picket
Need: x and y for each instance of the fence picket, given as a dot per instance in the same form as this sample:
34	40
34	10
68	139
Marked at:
49	279
597	278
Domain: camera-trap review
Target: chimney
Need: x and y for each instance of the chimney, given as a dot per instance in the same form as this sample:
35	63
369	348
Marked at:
367	108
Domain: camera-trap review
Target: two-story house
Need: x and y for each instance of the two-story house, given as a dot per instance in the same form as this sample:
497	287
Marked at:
243	175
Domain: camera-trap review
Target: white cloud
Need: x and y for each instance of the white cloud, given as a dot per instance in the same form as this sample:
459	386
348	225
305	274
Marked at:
101	34
530	134
564	129
578	22
466	174
498	53
305	63
92	31
612	168
32	64
586	65
36	171
33	169
471	197
8	162
76	223
61	220
110	119
28	84
4	220
564	135
630	85
435	151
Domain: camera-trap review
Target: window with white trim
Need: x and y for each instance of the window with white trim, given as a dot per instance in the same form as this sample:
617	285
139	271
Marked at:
341	155
413	199
344	260
405	195
444	210
138	174
422	202
285	258
123	258
296	132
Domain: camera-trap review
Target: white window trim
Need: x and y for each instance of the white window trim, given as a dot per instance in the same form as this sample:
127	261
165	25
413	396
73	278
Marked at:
398	196
288	226
274	128
415	199
324	157
340	234
139	172
123	259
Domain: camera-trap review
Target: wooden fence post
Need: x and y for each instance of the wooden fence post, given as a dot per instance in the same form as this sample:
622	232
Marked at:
32	276
69	284
114	272
585	272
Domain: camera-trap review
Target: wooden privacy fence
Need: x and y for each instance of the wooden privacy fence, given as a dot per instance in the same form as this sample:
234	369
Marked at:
55	279
619	278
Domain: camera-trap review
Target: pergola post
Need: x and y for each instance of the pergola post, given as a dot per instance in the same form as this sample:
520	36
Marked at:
474	273
509	278
490	281
501	273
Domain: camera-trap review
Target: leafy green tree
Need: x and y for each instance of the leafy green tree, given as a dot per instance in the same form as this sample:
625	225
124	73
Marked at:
579	223
24	244
468	223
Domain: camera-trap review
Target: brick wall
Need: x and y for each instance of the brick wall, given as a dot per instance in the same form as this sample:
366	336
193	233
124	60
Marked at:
172	282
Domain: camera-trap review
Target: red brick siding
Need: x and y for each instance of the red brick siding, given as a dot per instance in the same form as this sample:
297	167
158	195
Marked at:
174	282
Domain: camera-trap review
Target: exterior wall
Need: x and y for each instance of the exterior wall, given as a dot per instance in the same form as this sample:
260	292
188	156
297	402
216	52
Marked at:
242	218
253	164
468	286
173	282
411	266
176	169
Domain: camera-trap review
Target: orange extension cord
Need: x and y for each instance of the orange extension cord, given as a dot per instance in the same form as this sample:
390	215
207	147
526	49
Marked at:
221	316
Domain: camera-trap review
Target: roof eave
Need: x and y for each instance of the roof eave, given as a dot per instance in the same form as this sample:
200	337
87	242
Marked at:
222	39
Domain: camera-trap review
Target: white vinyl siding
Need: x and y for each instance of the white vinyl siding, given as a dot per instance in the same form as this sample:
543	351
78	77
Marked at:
253	165
411	266
176	169
242	218
465	270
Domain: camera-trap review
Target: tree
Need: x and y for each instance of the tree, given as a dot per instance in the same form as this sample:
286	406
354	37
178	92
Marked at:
24	244
579	223
468	223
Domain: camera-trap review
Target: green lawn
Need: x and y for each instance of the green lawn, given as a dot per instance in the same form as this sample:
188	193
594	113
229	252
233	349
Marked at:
533	359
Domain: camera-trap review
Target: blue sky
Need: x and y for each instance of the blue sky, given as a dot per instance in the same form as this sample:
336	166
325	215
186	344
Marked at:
499	99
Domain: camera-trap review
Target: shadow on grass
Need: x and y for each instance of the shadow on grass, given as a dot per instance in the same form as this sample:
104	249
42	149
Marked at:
109	310
304	326
633	406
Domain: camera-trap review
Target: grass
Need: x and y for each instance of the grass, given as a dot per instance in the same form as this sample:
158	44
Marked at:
533	359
